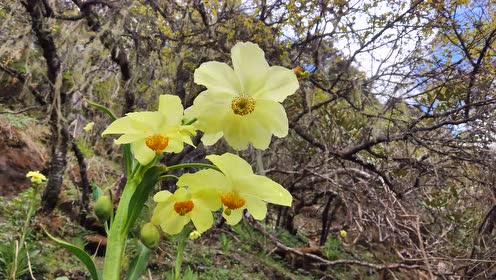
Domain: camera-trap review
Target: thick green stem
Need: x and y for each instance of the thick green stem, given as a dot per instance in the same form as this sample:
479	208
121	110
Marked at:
117	235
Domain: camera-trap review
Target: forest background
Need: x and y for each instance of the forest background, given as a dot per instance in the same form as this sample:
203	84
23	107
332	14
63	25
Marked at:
390	157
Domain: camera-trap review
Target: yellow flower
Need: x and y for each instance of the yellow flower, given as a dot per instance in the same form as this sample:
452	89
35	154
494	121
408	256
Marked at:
152	133
174	211
88	126
238	187
36	177
343	233
242	104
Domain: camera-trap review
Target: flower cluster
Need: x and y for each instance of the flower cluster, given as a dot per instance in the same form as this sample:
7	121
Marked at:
241	103
234	188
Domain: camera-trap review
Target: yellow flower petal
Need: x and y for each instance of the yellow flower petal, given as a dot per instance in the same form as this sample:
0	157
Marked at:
218	76
209	139
250	66
129	138
241	131
234	217
256	207
174	224
171	107
162	196
263	188
281	83
142	153
231	165
272	116
204	179
162	212
202	218
210	109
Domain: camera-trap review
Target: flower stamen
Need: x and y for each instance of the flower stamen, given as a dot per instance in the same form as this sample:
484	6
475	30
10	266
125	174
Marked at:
232	201
183	207
243	105
157	143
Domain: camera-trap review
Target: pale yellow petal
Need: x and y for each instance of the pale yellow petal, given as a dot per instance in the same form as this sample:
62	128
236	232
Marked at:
203	179
175	146
234	217
181	194
240	131
272	116
148	122
120	126
202	218
162	196
141	152
171	107
256	207
209	139
174	224
218	77
250	66
210	109
236	133
161	213
210	198
281	83
263	188
231	165
129	138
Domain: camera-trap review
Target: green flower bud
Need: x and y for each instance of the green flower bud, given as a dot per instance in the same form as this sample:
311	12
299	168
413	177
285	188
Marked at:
150	235
103	208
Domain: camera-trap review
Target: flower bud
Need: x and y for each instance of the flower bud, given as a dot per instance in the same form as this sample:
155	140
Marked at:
149	235
103	208
194	235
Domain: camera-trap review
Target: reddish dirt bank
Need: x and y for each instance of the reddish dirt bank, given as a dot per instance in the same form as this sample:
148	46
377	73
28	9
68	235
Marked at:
18	155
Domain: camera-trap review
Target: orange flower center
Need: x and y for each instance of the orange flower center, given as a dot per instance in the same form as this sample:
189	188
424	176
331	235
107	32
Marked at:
243	105
157	143
231	200
183	207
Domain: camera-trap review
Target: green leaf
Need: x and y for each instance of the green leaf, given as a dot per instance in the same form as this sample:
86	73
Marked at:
150	178
128	160
139	264
103	109
79	253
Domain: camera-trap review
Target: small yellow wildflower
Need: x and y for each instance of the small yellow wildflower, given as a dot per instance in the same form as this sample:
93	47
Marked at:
238	187
242	103
88	126
343	233
36	177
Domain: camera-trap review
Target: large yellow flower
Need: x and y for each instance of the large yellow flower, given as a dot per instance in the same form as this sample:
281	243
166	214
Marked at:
242	104
238	187
174	211
151	133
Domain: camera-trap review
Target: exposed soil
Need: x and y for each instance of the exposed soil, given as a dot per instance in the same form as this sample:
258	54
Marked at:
18	155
